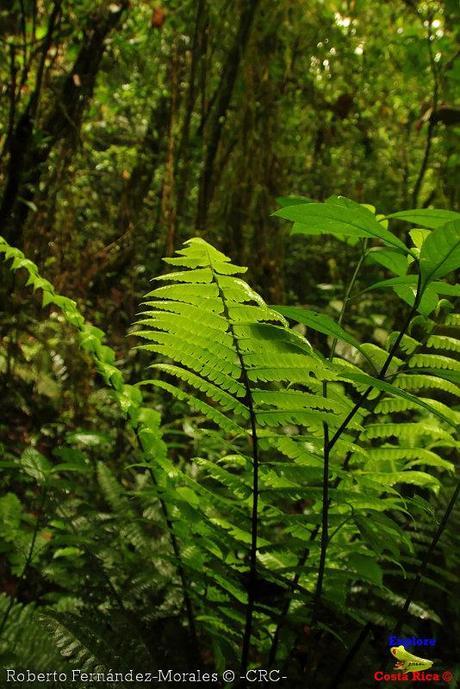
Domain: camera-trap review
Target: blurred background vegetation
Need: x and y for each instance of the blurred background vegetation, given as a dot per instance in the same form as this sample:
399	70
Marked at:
128	127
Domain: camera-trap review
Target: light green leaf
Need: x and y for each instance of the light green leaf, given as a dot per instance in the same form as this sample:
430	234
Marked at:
337	218
322	324
426	217
35	464
69	551
388	258
366	567
440	253
364	379
410	280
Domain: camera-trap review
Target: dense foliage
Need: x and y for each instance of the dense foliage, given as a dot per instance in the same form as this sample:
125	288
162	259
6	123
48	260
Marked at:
246	467
296	507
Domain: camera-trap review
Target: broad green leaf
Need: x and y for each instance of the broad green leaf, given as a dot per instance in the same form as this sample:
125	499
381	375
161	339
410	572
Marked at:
440	252
365	379
405	286
348	219
322	324
446	288
87	438
406	280
417	478
428	301
188	495
418	236
69	551
388	258
35	464
426	217
366	567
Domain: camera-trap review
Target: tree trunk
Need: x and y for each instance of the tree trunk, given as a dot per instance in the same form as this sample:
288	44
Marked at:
31	144
221	103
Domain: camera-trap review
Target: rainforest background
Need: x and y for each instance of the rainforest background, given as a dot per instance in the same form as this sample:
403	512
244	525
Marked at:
126	128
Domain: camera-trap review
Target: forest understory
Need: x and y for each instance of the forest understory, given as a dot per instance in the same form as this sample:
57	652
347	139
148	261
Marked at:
229	343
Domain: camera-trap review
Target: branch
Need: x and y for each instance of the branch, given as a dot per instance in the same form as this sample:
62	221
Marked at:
431	124
223	97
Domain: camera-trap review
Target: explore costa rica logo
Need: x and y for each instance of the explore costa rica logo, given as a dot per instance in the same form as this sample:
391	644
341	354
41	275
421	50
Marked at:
411	668
407	662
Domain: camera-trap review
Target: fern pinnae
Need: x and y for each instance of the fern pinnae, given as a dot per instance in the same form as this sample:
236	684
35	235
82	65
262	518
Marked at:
255	488
384	369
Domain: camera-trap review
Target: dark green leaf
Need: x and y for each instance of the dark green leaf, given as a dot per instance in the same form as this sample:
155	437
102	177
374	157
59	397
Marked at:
339	219
440	252
426	217
364	379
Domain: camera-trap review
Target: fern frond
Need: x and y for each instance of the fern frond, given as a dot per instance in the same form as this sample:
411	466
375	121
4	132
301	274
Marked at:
441	342
434	361
415	382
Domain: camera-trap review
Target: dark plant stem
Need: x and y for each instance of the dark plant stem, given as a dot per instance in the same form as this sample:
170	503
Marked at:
330	445
366	630
28	561
431	124
424	562
292	588
339	676
326	502
246	645
336	437
326	453
361	638
180	567
254	528
343	426
324	527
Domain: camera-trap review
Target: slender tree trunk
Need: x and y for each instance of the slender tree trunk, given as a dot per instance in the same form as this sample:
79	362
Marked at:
31	144
221	104
196	87
115	257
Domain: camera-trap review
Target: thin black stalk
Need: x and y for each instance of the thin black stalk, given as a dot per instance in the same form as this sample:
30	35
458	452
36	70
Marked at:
353	651
287	603
325	515
246	645
324	528
426	559
28	561
254	530
326	454
343	426
180	567
331	444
